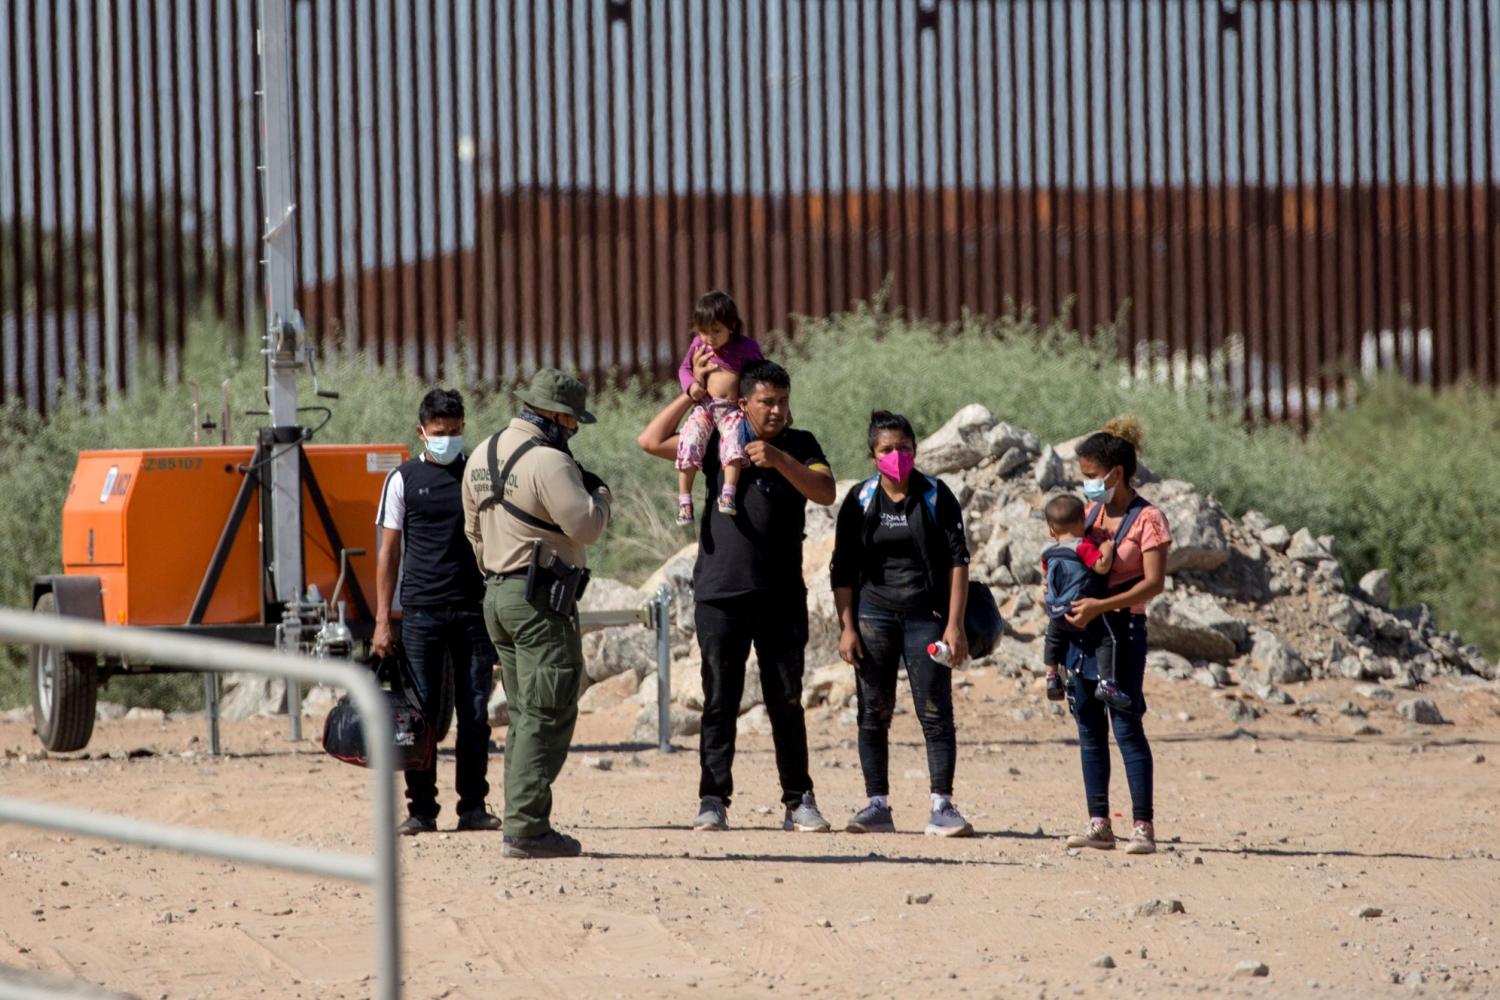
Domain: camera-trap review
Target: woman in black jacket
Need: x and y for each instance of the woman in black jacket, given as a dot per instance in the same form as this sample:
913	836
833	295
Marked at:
900	578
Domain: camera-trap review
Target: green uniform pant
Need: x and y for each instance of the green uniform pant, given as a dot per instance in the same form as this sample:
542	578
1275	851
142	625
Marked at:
541	666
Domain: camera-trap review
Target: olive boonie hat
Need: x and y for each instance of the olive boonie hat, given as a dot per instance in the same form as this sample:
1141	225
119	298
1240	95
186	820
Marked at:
559	392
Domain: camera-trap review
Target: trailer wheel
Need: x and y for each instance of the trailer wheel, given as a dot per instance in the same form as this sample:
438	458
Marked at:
64	691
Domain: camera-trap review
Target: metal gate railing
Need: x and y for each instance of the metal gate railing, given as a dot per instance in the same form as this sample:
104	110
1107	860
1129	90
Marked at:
379	870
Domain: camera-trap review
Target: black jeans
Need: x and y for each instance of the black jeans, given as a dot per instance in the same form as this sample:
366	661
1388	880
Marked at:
1099	635
889	637
432	637
776	625
1095	720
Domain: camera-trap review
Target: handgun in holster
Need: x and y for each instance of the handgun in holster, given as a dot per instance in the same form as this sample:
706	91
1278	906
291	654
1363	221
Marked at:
564	584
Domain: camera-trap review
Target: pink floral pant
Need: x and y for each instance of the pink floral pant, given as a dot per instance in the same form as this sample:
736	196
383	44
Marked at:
702	419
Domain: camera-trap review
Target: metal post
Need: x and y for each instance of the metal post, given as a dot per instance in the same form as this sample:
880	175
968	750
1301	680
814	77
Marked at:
294	710
211	710
283	349
663	617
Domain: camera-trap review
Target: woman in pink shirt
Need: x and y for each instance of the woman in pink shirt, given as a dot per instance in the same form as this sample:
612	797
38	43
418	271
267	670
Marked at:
1108	463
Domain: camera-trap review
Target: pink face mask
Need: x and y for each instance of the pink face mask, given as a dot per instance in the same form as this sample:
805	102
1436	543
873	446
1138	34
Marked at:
896	464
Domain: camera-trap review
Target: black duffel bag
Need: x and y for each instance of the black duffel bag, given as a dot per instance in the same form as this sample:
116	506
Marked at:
414	739
982	622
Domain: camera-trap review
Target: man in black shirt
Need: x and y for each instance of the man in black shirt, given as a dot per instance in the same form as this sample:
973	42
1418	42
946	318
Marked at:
442	599
748	590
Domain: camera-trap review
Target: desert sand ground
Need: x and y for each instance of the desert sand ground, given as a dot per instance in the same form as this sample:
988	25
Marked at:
1272	844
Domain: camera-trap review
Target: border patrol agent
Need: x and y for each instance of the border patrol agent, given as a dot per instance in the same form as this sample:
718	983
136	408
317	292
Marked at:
530	510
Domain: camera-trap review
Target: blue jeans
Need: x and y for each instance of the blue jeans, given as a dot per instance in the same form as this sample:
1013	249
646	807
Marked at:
432	638
889	637
1095	719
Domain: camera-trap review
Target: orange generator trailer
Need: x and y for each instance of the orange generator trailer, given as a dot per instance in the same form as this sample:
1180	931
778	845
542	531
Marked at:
176	538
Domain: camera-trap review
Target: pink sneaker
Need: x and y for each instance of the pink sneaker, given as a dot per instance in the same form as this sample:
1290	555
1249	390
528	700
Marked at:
1142	839
1098	836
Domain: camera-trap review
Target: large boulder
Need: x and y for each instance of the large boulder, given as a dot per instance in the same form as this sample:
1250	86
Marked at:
685	722
251	695
1376	585
1194	625
611	651
1278	662
677	574
1196	521
961	443
1048	471
1305	548
1028	539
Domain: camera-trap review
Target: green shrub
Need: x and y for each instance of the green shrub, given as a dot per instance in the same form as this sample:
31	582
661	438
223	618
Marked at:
1407	479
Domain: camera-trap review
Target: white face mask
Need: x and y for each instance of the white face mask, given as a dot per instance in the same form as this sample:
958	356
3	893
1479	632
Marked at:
444	448
1095	490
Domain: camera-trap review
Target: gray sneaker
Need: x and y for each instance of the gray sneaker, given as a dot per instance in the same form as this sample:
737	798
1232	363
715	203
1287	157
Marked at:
712	815
804	817
948	822
872	819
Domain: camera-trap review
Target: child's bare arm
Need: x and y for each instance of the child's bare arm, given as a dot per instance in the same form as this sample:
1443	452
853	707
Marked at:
1106	558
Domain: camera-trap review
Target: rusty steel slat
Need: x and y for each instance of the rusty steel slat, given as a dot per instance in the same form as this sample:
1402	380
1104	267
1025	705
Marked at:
688	251
387	262
1133	260
320	289
1246	381
36	351
1335	343
157	193
302	289
1275	230
1261	332
1169	195
1310	370
1457	334
1053	298
138	212
613	317
637	203
927	276
1227	285
1212	337
949	261
760	247
526	248
436	264
600	333
14	377
461	262
900	256
735	206
1440	333
889	218
52	329
77	373
1075	243
791	239
217	248
1394	310
1491	329
1325	327
1149	307
1473	328
411	332
836	247
562	300
816	300
343	296
856	183
996	306
364	335
1414	234
672	237
195	101
574	300
86	244
1376	269
656	274
1014	285
1032	289
1097	308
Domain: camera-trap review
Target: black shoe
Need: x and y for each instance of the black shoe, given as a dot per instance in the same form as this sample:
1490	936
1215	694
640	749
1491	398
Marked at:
549	845
414	825
478	819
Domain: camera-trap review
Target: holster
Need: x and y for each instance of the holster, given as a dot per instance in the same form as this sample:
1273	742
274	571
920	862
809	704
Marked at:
564	584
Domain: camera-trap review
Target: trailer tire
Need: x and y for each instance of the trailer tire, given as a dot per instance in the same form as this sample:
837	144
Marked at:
64	691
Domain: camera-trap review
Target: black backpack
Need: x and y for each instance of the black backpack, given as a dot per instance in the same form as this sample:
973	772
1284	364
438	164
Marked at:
414	738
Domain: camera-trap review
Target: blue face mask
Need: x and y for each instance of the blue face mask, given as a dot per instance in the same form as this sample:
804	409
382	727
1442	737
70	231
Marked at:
1095	490
444	448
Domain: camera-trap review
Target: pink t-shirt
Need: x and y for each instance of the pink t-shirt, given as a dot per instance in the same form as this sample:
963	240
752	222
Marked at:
1148	531
733	357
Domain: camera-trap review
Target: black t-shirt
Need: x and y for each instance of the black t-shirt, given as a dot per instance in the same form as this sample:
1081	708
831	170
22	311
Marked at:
437	563
760	548
895	576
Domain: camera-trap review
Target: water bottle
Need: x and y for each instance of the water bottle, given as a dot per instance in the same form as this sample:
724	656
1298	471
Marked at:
941	653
